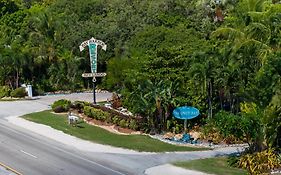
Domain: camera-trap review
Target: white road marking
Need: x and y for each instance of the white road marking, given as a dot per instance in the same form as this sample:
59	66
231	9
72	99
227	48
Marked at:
59	149
31	155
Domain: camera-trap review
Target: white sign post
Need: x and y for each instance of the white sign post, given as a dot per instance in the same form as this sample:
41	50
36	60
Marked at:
93	45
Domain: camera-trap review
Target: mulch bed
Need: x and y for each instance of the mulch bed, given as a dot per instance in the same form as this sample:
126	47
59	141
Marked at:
92	121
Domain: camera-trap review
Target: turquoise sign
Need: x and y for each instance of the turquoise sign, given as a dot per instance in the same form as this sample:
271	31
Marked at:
185	112
93	57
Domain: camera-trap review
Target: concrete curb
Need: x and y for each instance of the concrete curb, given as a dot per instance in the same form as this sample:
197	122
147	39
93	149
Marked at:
10	169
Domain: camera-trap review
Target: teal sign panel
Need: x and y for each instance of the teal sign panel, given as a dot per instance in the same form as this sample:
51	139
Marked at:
93	57
185	112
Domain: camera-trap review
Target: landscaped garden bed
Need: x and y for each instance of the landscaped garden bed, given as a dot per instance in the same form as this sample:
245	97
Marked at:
224	129
102	136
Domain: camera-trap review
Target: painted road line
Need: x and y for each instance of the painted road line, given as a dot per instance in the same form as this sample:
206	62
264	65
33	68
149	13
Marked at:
10	169
59	149
31	155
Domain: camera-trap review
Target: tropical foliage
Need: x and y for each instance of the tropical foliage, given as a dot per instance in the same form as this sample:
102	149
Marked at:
213	55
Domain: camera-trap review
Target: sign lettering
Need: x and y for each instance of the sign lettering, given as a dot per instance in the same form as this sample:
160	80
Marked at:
86	75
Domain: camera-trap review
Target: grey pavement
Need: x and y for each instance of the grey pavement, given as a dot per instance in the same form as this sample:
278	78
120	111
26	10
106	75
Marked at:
35	149
170	169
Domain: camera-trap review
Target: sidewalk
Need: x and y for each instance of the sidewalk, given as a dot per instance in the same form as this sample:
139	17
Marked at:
60	136
171	169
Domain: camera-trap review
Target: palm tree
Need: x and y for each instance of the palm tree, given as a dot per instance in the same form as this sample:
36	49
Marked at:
44	37
255	36
202	74
155	100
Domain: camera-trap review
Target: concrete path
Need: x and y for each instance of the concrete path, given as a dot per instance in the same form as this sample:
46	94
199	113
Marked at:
171	169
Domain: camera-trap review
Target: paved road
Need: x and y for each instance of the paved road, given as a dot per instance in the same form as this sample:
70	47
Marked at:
35	154
32	154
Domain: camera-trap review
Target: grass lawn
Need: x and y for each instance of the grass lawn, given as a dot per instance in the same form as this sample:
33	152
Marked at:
216	165
99	135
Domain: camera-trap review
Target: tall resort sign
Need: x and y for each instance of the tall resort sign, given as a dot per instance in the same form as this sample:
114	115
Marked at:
93	47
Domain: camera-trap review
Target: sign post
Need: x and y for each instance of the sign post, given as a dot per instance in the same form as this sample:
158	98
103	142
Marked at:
93	45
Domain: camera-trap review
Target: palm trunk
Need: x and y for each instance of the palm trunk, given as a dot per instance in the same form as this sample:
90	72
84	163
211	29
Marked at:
17	78
210	108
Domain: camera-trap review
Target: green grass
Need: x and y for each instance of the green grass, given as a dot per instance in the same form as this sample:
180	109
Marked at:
216	165
99	135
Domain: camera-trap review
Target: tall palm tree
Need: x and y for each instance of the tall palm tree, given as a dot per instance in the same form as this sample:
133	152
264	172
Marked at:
202	74
45	34
255	36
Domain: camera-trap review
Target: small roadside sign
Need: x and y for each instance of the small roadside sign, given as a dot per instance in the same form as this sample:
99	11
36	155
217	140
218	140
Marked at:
101	74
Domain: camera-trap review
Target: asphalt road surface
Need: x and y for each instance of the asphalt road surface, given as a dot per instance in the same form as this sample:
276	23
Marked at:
32	154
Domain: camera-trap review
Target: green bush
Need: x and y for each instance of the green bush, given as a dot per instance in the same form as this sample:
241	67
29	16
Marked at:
101	115
260	162
87	111
4	91
133	125
79	105
18	93
115	120
233	160
61	105
231	127
272	122
123	123
96	113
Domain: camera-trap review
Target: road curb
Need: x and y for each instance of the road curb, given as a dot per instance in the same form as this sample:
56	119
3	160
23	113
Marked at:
10	169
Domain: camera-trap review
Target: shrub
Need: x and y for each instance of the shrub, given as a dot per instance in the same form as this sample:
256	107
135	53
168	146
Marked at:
4	91
59	109
260	162
99	114
115	120
233	160
87	111
79	105
19	92
96	113
272	122
61	105
233	128
123	123
133	125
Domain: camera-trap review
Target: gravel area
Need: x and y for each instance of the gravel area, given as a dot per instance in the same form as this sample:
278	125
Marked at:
203	144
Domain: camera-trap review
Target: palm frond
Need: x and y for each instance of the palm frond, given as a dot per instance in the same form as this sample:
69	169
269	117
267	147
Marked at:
262	49
228	33
258	31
